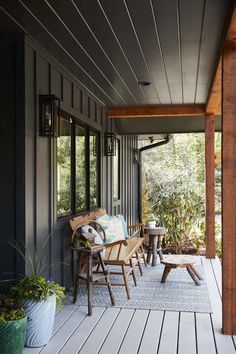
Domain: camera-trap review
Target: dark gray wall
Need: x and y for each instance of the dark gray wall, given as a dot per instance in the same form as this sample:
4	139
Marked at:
36	182
11	152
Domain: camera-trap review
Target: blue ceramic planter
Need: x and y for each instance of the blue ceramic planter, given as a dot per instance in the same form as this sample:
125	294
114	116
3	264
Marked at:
40	321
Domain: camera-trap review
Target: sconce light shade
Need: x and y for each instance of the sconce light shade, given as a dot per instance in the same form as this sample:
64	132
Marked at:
109	144
49	115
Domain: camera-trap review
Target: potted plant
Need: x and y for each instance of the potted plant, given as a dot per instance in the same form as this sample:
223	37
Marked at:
13	323
151	221
38	296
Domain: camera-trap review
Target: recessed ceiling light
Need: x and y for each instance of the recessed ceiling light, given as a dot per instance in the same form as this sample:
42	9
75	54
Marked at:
144	83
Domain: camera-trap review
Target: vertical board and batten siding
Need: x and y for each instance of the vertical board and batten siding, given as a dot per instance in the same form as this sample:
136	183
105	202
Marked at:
12	111
45	76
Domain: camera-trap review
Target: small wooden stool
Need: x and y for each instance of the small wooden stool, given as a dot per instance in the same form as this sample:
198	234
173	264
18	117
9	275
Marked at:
180	261
90	277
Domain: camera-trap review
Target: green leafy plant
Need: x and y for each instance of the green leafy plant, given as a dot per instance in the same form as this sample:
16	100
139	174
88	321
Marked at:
10	310
199	235
82	243
35	286
178	207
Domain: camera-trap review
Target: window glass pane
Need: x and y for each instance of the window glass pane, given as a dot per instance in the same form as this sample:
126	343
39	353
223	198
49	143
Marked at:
80	168
93	148
116	172
64	169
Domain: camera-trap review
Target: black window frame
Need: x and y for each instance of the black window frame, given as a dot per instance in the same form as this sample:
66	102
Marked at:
73	210
117	141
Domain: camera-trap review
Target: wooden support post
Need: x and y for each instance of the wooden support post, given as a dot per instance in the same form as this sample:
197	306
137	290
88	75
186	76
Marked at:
229	188
210	183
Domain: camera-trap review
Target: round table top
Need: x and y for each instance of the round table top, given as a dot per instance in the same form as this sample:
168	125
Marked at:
178	259
157	231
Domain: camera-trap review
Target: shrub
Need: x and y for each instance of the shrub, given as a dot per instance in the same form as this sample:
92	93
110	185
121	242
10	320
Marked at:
178	207
10	310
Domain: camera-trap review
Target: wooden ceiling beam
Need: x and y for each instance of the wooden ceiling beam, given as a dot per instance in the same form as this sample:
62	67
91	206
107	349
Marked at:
215	101
157	111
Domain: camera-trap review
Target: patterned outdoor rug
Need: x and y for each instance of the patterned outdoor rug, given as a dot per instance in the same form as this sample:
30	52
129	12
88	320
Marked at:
179	293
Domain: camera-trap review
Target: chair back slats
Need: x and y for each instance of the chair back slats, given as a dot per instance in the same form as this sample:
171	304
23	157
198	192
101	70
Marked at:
87	217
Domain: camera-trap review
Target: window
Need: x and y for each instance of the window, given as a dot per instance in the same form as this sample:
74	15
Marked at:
80	167
64	169
116	172
94	168
78	162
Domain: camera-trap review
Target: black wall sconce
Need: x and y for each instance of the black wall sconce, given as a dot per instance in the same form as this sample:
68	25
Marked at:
49	115
109	144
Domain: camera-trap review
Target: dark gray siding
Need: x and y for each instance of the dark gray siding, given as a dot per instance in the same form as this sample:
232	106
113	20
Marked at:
28	187
11	152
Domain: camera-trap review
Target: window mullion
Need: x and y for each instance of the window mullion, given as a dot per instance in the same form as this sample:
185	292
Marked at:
73	169
87	161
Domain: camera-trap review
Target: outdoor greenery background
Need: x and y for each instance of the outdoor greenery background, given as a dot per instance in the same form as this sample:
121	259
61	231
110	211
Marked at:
173	192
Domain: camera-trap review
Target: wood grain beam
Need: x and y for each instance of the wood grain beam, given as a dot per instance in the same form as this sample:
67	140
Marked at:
231	34
210	184
157	111
215	102
229	189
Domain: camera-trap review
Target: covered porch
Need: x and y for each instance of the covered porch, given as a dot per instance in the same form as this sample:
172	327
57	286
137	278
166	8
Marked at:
114	330
169	68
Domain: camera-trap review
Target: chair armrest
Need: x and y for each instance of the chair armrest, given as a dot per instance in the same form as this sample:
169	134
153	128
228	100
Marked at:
112	244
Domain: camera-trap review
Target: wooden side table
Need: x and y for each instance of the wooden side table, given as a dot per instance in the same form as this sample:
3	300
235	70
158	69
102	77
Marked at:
155	238
180	261
90	277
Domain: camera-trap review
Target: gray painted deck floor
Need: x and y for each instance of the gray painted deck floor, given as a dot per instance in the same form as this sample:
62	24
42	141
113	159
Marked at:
130	331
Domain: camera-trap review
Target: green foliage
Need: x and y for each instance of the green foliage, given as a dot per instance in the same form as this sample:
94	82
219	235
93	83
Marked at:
35	286
86	244
10	310
177	207
35	264
218	240
219	248
199	235
37	289
182	160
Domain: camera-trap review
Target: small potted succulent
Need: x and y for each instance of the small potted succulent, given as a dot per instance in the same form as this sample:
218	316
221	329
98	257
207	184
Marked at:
13	323
38	296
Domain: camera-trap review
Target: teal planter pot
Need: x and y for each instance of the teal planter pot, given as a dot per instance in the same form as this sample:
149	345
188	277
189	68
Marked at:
40	321
12	336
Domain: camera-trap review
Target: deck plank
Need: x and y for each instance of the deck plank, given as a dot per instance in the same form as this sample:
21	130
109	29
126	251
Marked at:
62	316
205	338
65	332
217	269
224	343
151	333
80	335
187	333
98	336
117	333
168	341
134	333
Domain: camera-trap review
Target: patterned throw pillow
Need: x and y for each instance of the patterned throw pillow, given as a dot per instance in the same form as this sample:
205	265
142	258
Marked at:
112	227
